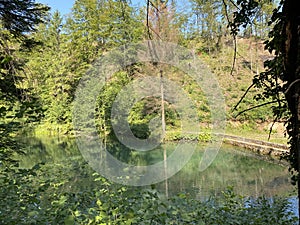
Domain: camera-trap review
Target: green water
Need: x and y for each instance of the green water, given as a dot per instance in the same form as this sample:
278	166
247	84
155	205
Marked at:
248	173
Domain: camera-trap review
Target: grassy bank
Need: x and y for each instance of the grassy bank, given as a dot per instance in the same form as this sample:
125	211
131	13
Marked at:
258	131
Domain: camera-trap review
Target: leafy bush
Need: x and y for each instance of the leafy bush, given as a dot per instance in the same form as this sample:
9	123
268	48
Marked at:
65	193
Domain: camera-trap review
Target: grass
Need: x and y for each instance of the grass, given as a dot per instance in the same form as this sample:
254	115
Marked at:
257	131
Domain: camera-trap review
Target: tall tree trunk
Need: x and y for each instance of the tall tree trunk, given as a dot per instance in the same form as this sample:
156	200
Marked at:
163	119
163	125
291	57
251	56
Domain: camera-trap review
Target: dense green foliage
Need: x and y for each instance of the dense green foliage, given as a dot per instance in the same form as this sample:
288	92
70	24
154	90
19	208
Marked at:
43	57
65	190
60	201
94	27
17	104
280	82
67	48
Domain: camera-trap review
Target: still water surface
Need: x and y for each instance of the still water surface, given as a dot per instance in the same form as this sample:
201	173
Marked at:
248	173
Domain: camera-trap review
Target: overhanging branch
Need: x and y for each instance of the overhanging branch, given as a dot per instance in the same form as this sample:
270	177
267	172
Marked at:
242	98
254	107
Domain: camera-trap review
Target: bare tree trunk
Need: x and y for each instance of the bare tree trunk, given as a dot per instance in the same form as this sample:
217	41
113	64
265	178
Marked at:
256	56
163	125
251	55
163	119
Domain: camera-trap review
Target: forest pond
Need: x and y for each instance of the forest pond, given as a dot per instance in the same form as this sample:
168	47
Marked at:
249	174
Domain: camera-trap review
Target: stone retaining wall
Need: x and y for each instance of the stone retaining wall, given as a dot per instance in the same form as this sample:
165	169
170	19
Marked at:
261	147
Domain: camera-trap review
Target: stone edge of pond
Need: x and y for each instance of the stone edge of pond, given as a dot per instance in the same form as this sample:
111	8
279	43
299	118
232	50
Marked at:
257	146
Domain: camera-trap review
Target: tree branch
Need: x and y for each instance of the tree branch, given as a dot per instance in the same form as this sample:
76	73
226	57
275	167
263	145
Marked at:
234	57
233	3
271	128
254	107
234	36
242	98
159	37
153	6
291	85
147	23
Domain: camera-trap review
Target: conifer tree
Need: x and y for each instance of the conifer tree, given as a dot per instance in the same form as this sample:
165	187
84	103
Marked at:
18	20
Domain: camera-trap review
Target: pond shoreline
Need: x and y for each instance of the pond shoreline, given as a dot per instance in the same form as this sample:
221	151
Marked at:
257	146
272	149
